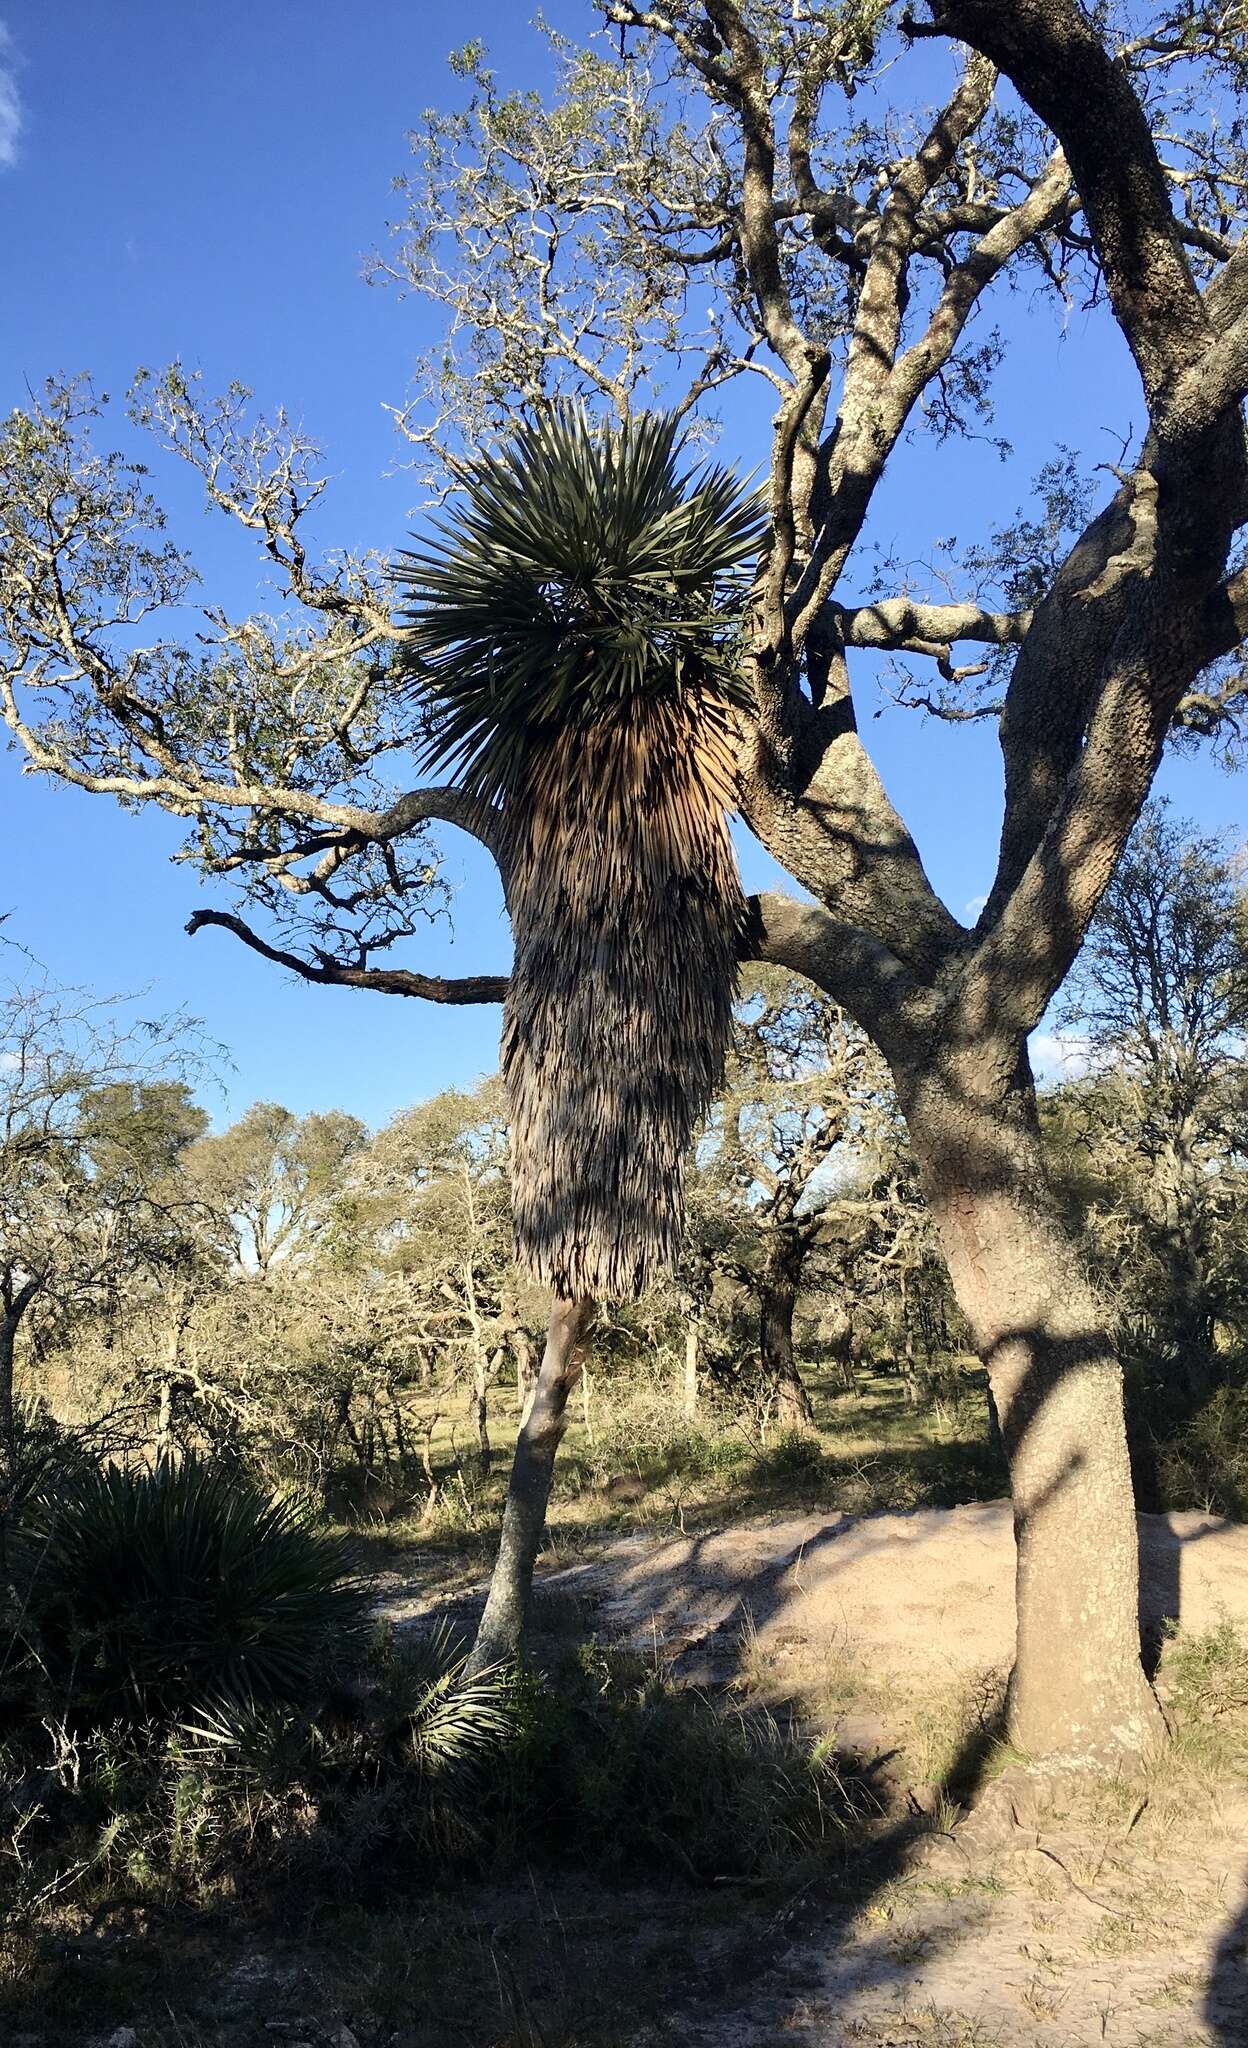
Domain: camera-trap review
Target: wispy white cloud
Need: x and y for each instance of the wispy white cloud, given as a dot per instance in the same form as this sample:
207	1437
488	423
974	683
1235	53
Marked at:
973	908
1059	1055
10	101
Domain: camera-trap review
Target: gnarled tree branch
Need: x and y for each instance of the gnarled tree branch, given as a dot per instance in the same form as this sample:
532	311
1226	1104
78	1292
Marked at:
390	981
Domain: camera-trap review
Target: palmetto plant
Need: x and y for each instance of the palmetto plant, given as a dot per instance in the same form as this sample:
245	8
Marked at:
149	1594
571	634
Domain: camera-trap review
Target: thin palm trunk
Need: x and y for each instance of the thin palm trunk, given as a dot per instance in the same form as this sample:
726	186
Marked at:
500	1638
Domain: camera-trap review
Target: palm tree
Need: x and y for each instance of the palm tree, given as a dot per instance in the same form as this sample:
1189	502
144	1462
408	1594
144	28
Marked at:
571	636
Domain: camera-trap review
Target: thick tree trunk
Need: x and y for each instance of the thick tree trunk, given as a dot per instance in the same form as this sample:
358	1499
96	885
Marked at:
1077	1687
777	1305
500	1638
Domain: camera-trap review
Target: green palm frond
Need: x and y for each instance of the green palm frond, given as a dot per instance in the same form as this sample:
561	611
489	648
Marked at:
585	568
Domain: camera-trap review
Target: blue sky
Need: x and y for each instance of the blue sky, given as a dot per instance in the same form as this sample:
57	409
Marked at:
207	183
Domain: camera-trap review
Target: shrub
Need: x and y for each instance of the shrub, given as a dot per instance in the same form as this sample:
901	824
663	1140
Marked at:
1208	1674
152	1594
41	1454
375	1785
650	1436
792	1455
620	1770
1204	1463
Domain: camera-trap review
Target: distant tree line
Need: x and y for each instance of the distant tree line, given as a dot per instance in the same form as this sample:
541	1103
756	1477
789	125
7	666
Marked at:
321	1303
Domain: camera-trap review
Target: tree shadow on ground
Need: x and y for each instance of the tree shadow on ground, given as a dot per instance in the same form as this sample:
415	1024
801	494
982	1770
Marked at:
1226	1997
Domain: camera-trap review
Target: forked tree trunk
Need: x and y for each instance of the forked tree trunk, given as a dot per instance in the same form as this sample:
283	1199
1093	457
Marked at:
777	1306
500	1638
1077	1687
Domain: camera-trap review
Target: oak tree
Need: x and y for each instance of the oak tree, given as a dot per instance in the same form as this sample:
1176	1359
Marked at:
739	190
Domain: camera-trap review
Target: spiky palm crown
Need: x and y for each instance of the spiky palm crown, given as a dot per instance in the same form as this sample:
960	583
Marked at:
571	639
584	570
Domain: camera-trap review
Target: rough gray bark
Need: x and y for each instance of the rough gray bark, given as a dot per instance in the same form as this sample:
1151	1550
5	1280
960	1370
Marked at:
1077	1686
776	1309
500	1637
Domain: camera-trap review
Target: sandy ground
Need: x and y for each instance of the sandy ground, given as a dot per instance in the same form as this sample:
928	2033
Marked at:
926	1592
1039	1918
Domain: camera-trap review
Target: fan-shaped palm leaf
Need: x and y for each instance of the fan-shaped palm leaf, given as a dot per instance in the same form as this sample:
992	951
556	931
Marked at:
151	1591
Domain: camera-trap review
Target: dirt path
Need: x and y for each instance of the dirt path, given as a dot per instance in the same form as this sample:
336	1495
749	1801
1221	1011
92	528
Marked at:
1052	1915
930	1592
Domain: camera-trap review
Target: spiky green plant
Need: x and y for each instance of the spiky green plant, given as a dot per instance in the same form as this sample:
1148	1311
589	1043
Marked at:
150	1594
571	633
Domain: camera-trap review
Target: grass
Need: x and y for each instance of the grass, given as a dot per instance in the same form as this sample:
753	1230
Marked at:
544	1966
541	1963
159	1888
638	1464
627	1895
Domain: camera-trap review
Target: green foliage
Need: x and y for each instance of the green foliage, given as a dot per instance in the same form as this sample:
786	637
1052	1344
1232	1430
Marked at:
1204	1463
1208	1674
41	1453
649	1437
413	1775
377	1783
150	1595
793	1454
585	569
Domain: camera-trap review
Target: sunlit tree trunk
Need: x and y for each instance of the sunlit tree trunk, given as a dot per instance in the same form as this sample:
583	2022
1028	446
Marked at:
1077	1686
